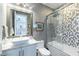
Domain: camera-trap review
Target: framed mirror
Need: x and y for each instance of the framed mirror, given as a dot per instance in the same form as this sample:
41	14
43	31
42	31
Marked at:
19	22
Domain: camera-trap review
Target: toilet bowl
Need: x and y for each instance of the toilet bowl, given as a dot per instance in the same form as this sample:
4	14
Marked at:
41	51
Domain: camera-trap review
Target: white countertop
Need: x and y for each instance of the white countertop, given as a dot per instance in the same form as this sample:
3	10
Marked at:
9	45
72	51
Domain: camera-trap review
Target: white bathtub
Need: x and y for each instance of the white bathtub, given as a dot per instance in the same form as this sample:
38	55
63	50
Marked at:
58	49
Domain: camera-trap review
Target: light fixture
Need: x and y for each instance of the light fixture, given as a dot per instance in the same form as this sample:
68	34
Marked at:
18	4
24	5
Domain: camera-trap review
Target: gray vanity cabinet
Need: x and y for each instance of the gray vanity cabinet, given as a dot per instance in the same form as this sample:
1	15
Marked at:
22	51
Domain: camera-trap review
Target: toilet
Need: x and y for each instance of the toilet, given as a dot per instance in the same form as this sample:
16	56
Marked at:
41	51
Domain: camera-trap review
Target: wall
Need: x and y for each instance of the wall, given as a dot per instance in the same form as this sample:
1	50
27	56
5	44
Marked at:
39	15
70	25
67	25
1	22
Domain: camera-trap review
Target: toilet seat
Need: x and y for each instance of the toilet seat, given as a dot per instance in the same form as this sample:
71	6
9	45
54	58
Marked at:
43	52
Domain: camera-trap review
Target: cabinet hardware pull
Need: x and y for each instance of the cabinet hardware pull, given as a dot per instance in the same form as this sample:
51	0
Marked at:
23	53
19	53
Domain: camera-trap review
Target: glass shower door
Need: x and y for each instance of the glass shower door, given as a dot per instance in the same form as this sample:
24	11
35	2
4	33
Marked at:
54	28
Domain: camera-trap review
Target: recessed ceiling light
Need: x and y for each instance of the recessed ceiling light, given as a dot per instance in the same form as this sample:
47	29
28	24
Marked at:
17	3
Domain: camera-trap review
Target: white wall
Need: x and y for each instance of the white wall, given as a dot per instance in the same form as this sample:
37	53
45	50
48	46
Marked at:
1	22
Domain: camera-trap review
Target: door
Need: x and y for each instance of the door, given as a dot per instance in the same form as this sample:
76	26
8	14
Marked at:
29	51
14	52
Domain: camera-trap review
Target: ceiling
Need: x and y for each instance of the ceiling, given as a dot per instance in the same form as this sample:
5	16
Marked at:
54	6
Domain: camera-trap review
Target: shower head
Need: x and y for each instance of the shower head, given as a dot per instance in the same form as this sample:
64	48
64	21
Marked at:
55	14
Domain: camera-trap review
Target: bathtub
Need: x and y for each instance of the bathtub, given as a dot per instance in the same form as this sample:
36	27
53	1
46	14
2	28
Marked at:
59	49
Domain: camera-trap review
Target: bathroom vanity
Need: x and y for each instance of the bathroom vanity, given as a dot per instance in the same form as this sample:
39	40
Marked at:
24	46
18	22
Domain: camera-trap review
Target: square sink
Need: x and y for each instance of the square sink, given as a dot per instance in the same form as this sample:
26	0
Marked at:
21	42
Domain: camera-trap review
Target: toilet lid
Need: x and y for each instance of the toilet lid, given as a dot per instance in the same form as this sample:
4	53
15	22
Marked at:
44	51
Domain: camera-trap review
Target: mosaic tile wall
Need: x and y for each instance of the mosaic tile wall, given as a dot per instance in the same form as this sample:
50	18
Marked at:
69	29
70	25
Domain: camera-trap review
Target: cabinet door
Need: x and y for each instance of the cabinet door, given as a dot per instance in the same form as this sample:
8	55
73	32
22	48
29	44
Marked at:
14	52
29	51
